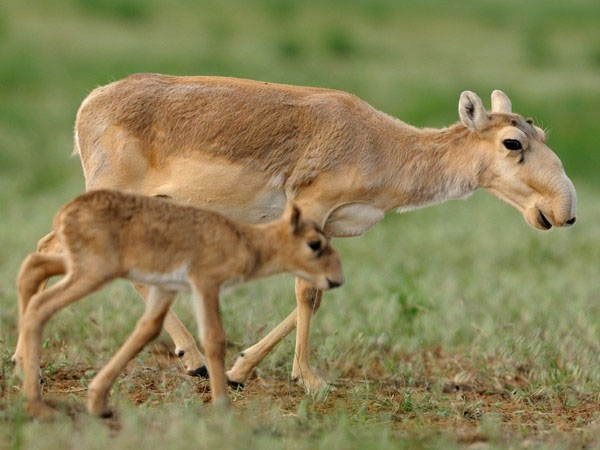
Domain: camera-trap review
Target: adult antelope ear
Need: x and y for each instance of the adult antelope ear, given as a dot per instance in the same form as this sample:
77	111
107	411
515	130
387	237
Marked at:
291	215
500	102
471	111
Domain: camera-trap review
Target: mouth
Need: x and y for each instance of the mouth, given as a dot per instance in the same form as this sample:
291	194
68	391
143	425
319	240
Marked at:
546	225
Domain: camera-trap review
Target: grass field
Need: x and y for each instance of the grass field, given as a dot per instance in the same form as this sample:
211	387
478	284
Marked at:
458	325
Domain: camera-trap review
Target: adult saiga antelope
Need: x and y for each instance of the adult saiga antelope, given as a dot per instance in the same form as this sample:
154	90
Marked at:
243	147
108	234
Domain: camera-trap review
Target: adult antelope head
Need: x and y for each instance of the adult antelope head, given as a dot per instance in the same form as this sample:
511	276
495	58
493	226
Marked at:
519	167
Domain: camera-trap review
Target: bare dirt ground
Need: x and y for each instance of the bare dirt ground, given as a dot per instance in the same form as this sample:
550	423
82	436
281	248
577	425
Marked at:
458	406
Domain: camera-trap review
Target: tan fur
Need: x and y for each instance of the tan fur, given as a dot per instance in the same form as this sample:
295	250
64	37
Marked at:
243	147
168	247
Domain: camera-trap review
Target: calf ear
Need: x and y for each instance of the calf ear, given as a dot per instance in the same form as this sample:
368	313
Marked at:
471	111
292	216
500	102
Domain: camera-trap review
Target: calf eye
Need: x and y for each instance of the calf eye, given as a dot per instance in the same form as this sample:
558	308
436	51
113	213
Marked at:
315	245
512	144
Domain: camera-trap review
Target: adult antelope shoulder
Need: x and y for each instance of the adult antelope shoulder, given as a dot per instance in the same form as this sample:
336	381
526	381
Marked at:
108	234
243	147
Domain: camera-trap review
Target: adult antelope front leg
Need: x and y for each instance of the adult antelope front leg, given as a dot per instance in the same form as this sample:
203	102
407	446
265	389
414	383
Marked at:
308	299
301	371
250	357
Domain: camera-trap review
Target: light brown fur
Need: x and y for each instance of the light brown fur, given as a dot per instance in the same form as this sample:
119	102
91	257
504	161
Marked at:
243	147
167	247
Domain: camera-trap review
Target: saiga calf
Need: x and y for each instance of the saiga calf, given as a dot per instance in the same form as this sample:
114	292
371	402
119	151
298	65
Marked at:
107	234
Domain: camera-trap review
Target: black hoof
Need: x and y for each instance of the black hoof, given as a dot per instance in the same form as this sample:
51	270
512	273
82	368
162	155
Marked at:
199	372
106	414
235	385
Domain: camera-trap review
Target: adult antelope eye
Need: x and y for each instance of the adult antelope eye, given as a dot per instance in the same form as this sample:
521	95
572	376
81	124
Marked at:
512	144
315	245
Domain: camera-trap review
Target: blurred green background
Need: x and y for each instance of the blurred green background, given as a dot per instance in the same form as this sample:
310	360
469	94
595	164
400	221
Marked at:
470	278
410	59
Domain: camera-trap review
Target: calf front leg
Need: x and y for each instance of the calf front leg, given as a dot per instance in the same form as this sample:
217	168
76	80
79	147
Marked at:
212	335
185	346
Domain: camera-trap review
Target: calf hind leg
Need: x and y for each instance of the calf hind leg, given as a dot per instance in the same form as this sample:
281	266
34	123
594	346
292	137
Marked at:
35	271
185	346
41	308
148	327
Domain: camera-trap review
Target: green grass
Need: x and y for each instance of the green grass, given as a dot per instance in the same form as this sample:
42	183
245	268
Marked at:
458	323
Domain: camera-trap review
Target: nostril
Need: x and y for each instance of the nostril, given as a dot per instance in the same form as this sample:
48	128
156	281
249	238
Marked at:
571	221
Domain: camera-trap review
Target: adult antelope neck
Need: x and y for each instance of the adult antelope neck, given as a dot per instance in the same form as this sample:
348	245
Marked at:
429	166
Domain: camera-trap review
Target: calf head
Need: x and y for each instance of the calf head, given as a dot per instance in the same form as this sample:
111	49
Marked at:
306	252
517	165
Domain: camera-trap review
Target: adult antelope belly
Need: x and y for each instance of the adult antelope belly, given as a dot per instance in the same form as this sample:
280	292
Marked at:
228	188
352	219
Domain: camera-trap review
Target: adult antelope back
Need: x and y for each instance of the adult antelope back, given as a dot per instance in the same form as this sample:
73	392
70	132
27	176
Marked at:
242	147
